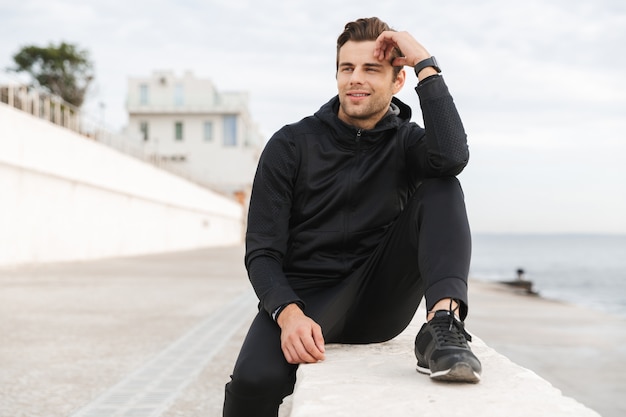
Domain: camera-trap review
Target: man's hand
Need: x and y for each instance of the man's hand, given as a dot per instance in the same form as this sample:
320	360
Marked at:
301	338
413	51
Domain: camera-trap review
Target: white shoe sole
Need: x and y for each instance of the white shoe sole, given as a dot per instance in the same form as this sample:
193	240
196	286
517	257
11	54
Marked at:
460	372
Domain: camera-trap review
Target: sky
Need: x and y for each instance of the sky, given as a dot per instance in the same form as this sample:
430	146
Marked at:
540	84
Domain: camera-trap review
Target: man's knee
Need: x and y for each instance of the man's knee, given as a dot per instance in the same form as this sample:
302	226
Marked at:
263	381
253	394
438	194
441	187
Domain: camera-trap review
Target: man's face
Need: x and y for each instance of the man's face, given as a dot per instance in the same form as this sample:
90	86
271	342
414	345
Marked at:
365	85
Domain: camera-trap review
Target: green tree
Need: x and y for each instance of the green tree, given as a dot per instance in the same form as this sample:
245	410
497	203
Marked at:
64	70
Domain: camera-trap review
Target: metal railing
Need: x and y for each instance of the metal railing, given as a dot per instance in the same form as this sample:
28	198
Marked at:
49	107
54	109
42	105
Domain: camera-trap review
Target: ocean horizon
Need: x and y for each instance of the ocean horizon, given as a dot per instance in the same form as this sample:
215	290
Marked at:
588	270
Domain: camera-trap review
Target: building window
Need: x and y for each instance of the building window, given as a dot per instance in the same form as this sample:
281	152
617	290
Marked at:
230	130
178	130
179	95
143	128
208	131
143	94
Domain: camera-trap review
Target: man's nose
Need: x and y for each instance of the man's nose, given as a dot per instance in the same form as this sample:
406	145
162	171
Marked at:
357	76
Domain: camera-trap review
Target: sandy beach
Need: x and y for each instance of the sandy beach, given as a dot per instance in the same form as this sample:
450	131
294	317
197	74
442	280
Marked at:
74	335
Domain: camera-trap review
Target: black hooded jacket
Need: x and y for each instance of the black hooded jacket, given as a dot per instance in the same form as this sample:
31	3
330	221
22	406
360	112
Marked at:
325	192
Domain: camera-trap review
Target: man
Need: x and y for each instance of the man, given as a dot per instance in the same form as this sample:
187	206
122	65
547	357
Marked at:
356	215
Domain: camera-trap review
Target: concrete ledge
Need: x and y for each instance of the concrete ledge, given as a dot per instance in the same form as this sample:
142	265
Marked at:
381	380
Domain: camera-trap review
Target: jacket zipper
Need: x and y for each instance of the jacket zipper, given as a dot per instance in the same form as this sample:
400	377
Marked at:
351	191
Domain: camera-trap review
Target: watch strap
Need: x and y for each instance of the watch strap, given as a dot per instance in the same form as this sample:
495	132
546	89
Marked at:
278	310
428	62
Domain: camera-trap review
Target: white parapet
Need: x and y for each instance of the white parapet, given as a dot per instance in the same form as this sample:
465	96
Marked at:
380	380
64	197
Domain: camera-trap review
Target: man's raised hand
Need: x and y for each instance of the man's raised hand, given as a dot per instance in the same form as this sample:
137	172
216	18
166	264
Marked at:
412	50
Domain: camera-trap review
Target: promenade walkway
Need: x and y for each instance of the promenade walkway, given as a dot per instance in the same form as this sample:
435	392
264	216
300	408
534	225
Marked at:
146	336
158	335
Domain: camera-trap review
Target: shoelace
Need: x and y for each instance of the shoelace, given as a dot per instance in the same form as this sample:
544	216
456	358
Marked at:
449	331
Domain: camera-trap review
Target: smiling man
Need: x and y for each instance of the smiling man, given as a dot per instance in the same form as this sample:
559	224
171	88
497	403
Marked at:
365	85
355	216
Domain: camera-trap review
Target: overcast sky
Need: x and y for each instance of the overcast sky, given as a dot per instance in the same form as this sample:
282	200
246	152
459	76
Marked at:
540	85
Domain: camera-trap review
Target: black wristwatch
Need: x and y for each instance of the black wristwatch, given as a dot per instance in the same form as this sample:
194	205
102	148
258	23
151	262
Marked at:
428	62
278	310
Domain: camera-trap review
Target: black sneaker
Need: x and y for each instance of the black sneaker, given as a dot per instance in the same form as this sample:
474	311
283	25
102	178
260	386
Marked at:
442	351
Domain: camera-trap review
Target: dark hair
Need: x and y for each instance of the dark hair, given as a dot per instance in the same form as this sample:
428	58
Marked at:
366	29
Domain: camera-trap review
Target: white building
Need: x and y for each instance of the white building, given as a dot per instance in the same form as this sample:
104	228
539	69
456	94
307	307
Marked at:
188	125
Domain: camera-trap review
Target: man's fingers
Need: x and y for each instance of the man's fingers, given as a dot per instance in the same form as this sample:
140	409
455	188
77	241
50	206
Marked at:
384	51
413	51
291	353
297	353
305	347
312	350
318	338
385	43
287	353
399	62
301	338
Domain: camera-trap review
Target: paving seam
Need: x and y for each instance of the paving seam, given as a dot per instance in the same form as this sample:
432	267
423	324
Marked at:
152	389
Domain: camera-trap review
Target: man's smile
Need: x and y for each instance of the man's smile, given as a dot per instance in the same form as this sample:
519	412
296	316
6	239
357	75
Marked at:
357	95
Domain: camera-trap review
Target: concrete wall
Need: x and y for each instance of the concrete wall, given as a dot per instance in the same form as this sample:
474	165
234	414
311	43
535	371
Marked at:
65	197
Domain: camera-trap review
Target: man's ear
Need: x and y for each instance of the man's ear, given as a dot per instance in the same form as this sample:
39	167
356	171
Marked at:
399	81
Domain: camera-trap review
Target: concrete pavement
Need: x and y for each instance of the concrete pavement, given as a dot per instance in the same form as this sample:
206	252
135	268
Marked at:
581	352
72	331
79	336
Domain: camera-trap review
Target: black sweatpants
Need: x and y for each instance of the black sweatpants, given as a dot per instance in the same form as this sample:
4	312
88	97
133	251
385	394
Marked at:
425	253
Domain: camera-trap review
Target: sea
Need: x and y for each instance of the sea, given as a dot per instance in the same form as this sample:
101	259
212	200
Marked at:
585	270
